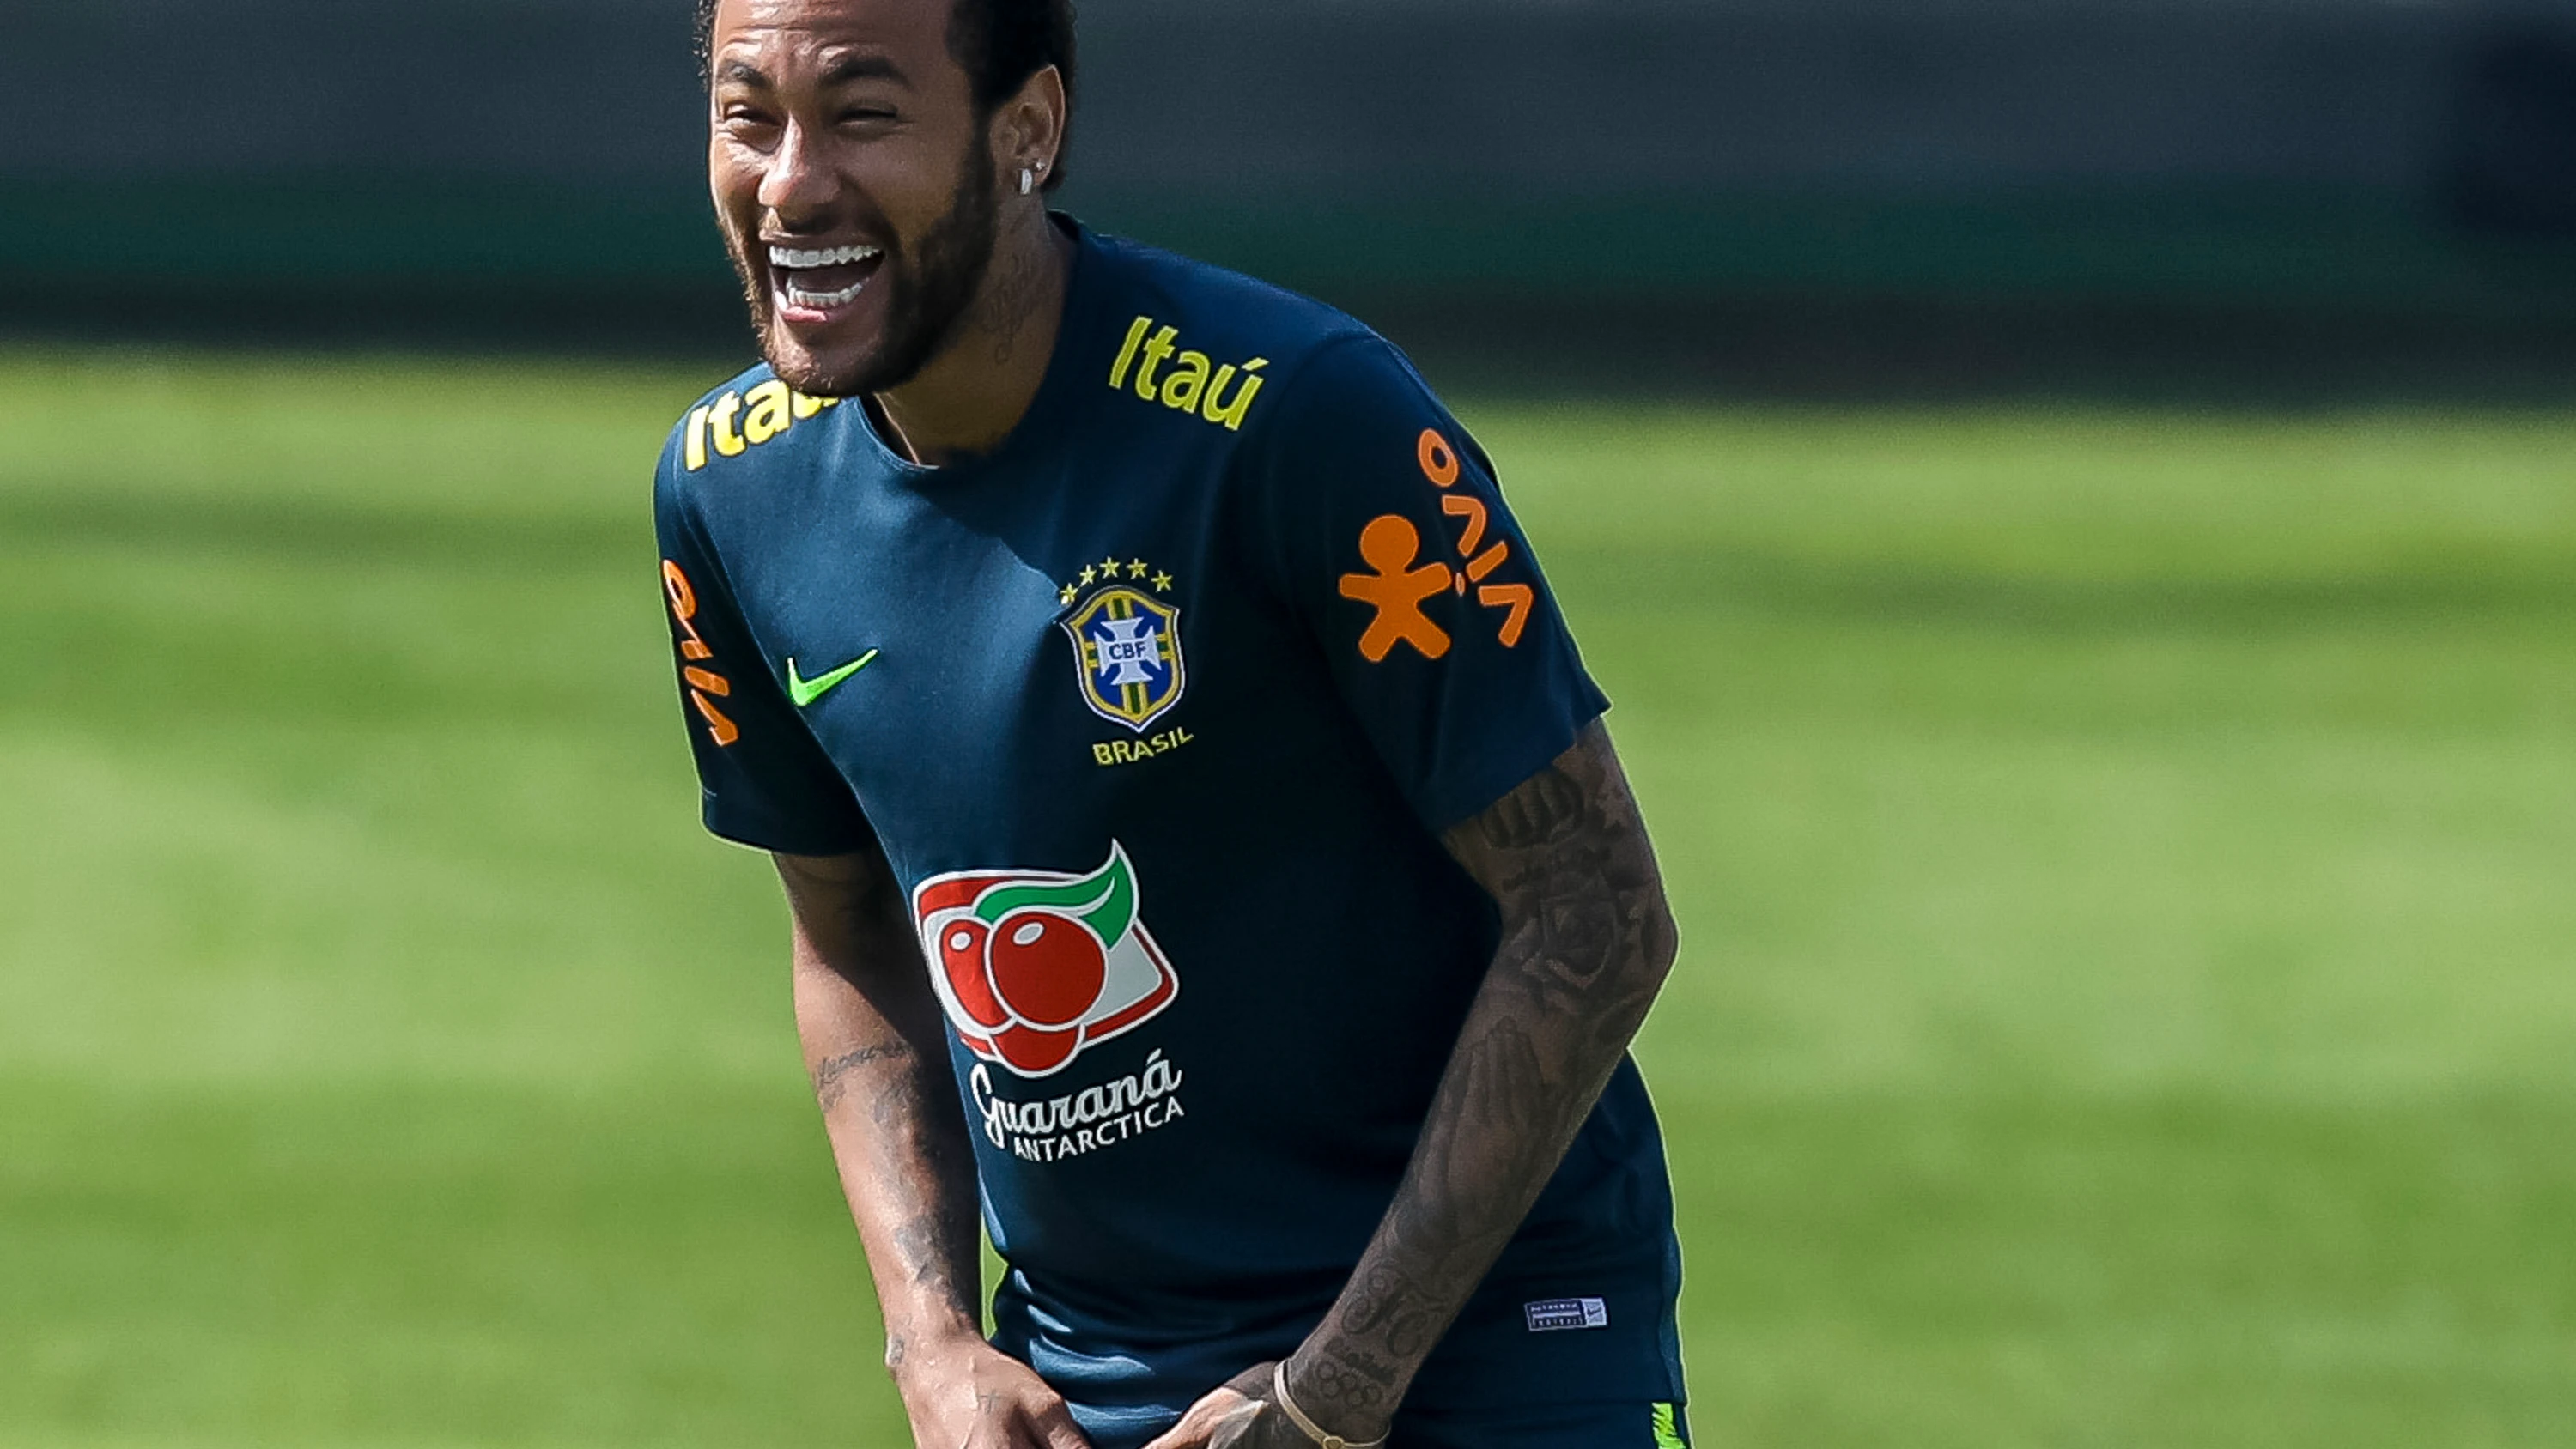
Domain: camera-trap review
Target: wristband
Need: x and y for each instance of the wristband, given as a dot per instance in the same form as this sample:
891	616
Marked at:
1297	1416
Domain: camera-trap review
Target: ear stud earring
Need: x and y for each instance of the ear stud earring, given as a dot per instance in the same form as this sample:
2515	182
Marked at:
1028	180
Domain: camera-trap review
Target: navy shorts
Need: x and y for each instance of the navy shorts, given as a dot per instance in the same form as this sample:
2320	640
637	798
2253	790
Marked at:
1568	1426
1571	1426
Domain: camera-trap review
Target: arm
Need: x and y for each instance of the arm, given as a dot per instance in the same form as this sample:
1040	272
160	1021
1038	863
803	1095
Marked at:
875	1045
1587	941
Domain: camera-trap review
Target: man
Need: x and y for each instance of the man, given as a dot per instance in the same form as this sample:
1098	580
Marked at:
1200	840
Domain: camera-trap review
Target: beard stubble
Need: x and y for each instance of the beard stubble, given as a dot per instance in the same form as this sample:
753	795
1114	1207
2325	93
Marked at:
930	293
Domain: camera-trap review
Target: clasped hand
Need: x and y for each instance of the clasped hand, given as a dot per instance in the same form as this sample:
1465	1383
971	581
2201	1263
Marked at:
967	1394
1240	1415
973	1396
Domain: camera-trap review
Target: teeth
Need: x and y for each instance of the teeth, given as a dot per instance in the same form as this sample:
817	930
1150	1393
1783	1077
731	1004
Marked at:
797	259
800	297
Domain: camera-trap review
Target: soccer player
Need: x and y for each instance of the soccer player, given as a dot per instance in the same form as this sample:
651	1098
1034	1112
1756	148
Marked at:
1203	850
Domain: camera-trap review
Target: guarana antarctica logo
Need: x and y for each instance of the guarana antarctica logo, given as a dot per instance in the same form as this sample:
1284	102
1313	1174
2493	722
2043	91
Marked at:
1033	967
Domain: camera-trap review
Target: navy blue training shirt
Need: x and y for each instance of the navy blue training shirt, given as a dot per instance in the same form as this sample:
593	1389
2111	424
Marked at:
1158	711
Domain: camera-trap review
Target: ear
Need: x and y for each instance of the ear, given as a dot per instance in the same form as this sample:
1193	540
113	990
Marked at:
1028	129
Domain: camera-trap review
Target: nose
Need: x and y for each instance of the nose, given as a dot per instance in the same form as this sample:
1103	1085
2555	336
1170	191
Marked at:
797	187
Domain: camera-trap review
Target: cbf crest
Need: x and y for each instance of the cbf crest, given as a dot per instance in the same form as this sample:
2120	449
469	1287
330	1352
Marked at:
1126	642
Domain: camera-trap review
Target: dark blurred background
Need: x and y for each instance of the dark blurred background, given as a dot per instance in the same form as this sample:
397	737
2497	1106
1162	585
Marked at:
1752	194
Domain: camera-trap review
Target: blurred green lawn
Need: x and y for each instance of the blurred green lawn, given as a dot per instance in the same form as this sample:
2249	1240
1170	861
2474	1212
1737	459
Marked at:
2127	861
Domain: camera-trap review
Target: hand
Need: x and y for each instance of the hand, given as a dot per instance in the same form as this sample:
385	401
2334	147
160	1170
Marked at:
963	1393
1239	1415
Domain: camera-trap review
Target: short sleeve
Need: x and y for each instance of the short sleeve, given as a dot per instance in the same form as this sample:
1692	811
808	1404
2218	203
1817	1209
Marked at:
763	779
1382	526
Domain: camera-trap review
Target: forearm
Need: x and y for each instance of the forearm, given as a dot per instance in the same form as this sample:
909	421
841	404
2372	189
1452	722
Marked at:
874	1048
905	1165
1587	944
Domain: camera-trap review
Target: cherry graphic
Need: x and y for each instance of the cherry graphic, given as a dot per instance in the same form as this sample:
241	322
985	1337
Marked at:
1048	969
961	953
1032	1051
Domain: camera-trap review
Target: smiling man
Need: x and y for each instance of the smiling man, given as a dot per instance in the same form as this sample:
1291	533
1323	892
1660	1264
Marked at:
1203	851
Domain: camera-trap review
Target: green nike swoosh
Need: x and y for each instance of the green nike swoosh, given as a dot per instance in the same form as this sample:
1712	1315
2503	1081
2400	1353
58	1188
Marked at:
806	691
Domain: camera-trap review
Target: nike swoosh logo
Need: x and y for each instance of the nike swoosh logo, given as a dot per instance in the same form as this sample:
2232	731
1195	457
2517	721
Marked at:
806	691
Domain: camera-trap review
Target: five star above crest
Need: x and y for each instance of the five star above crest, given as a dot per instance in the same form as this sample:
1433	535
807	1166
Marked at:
1110	571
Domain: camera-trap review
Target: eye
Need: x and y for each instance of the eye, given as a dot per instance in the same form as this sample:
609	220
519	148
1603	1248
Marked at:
867	115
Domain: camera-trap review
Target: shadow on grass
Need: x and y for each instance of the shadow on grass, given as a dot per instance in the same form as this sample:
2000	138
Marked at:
1698	577
320	532
1719	578
1777	345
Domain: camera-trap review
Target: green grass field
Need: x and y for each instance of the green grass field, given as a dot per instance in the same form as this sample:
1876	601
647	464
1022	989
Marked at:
2127	862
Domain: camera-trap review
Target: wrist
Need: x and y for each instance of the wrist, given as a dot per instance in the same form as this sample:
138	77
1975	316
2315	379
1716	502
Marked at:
930	1346
1345	1390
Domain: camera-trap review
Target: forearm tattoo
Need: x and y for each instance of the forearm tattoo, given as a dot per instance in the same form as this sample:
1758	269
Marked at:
906	1160
1586	942
831	1078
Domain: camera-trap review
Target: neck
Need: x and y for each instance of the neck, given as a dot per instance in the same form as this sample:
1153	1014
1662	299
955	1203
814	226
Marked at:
981	384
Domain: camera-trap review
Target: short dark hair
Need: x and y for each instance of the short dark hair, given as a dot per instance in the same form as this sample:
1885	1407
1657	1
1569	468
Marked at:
1001	43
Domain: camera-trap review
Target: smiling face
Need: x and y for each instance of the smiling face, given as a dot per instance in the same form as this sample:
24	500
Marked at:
855	182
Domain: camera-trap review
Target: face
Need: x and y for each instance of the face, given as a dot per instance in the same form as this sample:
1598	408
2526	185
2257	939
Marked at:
855	184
